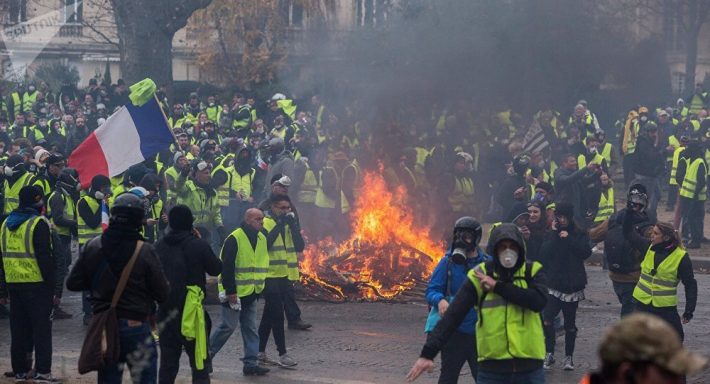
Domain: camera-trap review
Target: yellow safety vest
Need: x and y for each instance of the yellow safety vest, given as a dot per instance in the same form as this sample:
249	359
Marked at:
660	288
325	201
16	103
239	183
250	266
674	165
283	259
69	211
309	187
205	209
582	160
243	123
675	143
18	254
504	330
463	193
12	193
171	176
606	153
606	206
687	189
28	100
213	112
87	233
222	190
697	103
155	209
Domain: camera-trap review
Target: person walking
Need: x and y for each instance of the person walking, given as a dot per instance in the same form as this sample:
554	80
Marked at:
664	265
245	261
186	259
508	294
563	253
463	255
27	281
100	263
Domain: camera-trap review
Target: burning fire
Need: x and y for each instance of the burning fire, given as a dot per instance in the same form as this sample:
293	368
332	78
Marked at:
386	254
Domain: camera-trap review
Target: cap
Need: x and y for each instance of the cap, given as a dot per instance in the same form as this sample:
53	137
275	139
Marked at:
193	94
663	113
55	158
284	180
642	337
177	156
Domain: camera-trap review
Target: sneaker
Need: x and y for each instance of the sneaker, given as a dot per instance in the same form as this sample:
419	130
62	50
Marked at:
262	359
286	361
255	370
569	365
549	361
44	378
299	325
59	314
21	378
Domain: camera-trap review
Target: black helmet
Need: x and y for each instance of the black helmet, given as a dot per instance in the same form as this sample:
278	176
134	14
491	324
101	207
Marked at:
128	209
469	224
69	178
521	163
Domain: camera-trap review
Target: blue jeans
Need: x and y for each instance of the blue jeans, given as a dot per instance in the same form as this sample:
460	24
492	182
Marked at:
532	377
246	318
138	350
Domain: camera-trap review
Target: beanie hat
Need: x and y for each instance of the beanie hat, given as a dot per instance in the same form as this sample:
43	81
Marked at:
30	195
564	209
180	218
99	181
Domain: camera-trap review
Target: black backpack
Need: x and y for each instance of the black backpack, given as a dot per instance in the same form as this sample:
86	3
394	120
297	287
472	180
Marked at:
620	255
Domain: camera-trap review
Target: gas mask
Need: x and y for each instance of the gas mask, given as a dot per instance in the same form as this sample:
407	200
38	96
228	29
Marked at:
461	248
643	118
9	171
593	150
508	258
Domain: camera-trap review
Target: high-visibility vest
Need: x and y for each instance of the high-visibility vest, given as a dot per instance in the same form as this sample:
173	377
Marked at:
697	102
87	233
68	212
43	183
462	194
687	189
288	107
18	255
213	112
582	160
155	210
325	201
675	143
674	164
28	100
606	206
658	286
11	193
309	187
243	123
283	259
250	266
606	153
319	116
205	209
171	176
16	103
222	190
241	184
505	330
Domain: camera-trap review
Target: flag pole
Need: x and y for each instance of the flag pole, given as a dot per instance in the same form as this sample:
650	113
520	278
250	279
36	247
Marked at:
177	144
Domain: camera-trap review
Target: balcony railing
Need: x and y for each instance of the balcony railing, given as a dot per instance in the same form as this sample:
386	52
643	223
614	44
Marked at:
71	30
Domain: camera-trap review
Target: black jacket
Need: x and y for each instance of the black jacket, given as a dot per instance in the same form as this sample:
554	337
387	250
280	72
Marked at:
532	298
146	283
47	264
648	159
563	259
185	259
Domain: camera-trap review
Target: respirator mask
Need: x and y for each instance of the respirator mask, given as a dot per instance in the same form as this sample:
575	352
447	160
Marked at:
508	258
9	171
464	242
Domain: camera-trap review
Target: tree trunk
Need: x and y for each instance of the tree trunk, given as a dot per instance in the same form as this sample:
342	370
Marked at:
691	45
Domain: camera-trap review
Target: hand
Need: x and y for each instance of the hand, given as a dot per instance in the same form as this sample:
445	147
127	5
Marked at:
420	366
250	199
525	231
563	234
233	299
487	282
443	306
151	221
519	193
164	218
592	167
196	233
56	300
686	318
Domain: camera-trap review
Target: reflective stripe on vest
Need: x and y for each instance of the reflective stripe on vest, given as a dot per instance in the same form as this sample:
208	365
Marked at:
606	206
18	258
68	212
606	153
504	330
241	184
462	194
325	201
283	259
687	189
12	193
16	103
28	101
250	266
658	286
204	208
582	160
87	233
674	165
309	187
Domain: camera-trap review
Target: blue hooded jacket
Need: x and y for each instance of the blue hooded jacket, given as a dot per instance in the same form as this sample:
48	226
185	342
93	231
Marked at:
436	291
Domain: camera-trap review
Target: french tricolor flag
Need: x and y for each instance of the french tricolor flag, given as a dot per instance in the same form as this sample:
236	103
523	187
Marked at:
128	137
104	215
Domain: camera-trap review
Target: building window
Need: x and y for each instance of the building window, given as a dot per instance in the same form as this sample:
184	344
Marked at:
18	11
371	12
73	11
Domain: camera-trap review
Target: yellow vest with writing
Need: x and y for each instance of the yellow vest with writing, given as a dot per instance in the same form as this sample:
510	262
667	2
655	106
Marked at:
18	256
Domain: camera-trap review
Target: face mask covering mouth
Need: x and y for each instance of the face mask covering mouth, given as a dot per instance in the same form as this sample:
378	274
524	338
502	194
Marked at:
508	258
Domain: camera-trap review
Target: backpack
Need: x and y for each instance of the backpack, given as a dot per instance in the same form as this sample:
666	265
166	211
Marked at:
620	255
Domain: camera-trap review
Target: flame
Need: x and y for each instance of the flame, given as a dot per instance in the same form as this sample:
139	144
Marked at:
386	254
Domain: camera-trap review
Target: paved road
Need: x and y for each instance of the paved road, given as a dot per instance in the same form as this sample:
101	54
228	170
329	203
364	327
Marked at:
361	343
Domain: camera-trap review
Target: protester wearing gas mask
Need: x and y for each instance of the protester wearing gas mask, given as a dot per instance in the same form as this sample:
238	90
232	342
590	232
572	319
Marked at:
16	177
515	187
508	294
563	253
463	255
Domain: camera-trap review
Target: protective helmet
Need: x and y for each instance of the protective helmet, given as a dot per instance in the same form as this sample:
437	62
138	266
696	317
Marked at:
521	163
69	178
127	209
637	195
469	224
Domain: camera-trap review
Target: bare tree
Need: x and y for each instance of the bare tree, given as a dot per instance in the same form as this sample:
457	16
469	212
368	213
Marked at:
145	30
691	16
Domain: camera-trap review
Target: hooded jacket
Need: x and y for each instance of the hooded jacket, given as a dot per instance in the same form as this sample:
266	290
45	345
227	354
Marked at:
532	298
563	258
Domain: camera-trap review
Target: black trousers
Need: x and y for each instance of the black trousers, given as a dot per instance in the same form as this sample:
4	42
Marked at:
171	346
31	329
272	320
293	313
693	212
670	315
569	312
460	349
